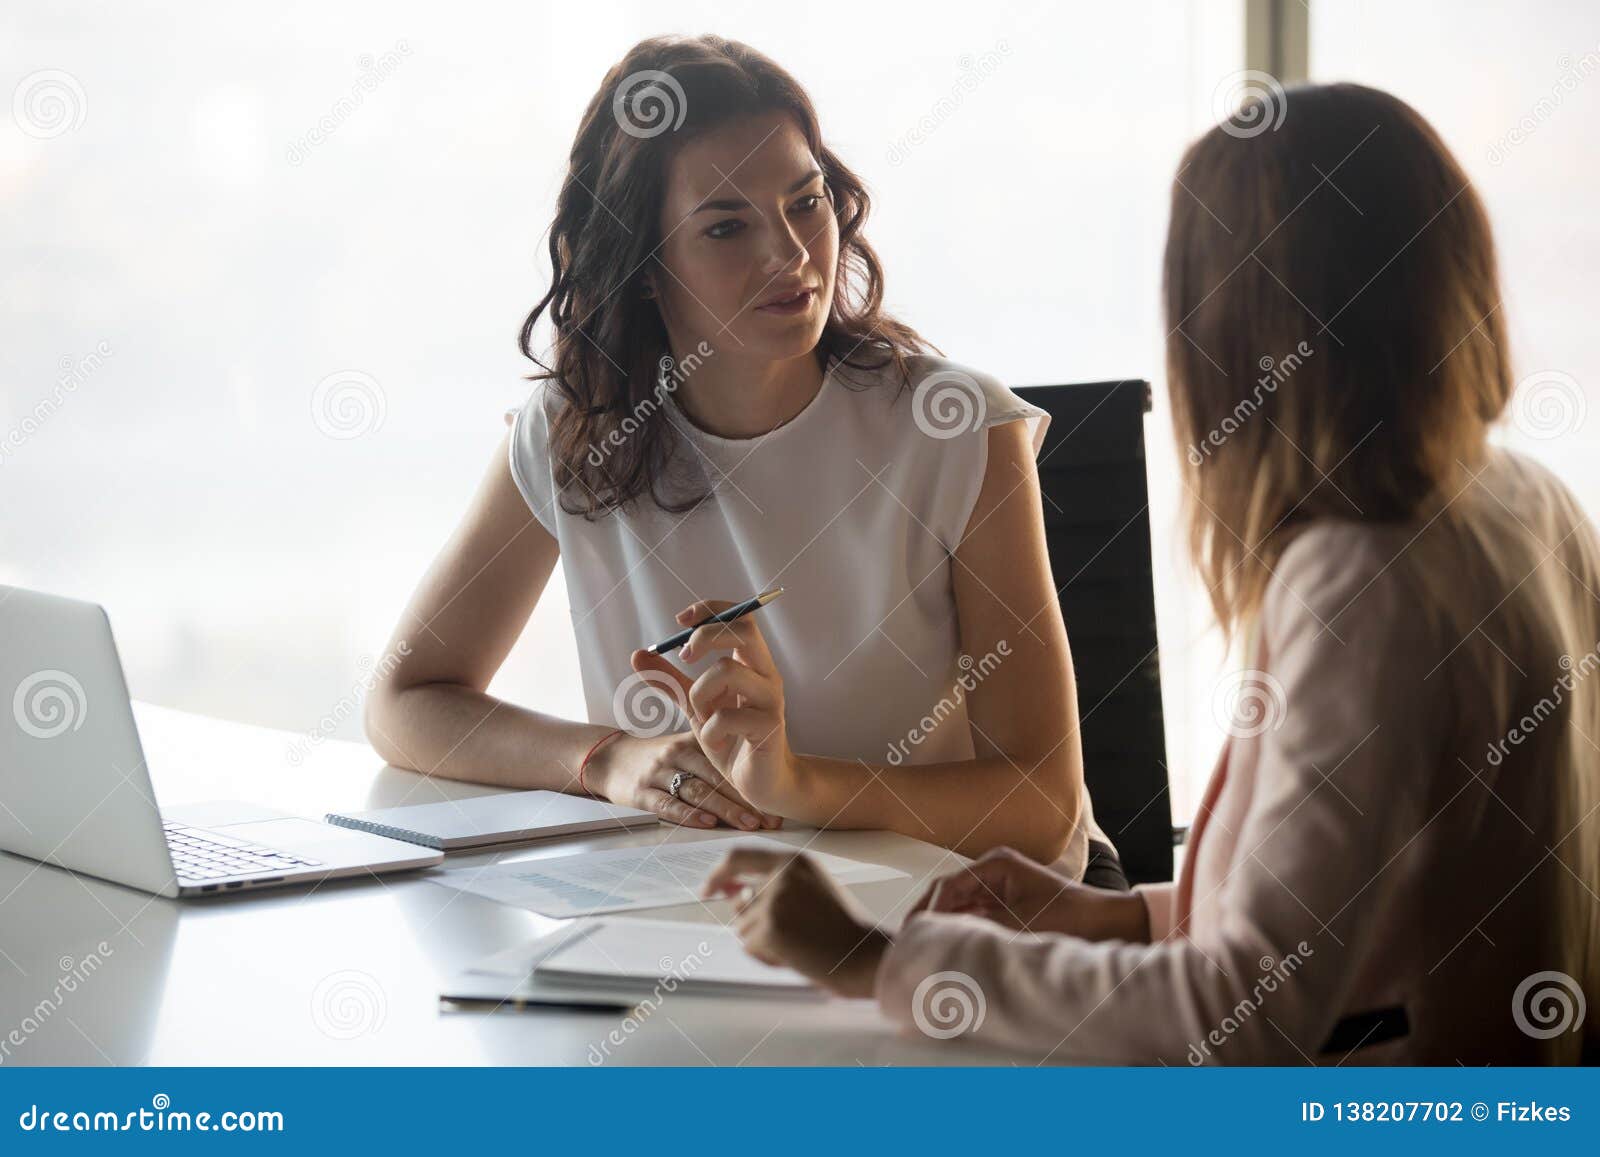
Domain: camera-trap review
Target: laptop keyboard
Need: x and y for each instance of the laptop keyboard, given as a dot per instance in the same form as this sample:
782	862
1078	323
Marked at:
199	855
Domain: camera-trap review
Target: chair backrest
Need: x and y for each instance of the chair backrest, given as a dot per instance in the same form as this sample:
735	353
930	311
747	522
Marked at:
1097	526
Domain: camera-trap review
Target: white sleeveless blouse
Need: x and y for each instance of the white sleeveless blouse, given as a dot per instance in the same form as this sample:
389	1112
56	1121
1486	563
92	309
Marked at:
854	506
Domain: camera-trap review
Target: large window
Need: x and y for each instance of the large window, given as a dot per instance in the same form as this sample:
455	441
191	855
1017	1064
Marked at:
262	277
269	289
1514	89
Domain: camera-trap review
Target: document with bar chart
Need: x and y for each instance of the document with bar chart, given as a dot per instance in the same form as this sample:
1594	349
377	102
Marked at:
622	879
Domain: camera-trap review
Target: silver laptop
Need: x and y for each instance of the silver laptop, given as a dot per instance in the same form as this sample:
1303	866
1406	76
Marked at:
75	791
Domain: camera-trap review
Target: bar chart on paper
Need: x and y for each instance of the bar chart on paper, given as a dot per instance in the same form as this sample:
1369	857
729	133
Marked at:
622	879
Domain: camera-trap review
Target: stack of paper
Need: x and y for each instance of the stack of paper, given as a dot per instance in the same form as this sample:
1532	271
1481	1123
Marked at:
638	955
622	961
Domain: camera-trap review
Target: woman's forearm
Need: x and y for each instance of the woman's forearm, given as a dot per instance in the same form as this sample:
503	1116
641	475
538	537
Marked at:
969	806
458	732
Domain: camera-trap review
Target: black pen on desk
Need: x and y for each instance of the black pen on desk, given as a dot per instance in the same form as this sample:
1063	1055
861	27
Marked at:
578	1003
737	611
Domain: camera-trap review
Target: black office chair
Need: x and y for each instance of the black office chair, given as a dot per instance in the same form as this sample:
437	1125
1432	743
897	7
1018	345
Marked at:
1097	527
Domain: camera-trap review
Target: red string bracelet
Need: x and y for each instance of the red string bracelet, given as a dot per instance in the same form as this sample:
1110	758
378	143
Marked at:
581	785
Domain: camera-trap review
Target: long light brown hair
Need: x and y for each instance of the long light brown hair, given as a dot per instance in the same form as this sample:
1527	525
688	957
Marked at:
1337	352
1335	347
609	340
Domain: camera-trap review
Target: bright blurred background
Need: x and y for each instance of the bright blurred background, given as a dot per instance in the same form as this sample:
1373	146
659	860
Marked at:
261	273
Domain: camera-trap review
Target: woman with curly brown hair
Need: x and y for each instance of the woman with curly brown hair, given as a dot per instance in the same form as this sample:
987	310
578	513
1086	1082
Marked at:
726	408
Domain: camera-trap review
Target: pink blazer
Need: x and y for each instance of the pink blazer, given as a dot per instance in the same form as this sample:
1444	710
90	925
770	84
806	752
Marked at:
1396	857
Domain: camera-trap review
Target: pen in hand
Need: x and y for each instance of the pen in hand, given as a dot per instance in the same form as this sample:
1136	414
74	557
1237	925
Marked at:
737	611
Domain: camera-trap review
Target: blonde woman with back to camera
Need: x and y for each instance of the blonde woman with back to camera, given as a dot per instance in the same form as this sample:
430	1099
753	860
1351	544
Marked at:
1399	863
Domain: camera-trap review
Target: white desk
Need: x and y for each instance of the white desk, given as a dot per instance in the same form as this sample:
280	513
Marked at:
257	978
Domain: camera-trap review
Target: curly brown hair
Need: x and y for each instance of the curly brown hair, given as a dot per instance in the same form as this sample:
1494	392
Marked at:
609	340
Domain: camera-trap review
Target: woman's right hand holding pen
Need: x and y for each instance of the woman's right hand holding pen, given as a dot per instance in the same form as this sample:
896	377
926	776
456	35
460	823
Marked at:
735	706
637	772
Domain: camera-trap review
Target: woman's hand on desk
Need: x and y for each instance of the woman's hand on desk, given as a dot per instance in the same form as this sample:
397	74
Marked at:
1007	887
736	704
637	772
790	912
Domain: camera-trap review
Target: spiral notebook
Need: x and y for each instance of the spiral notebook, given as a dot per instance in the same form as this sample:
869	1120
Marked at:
489	820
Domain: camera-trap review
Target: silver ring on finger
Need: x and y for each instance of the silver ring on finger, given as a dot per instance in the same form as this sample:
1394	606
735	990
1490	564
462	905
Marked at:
675	788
